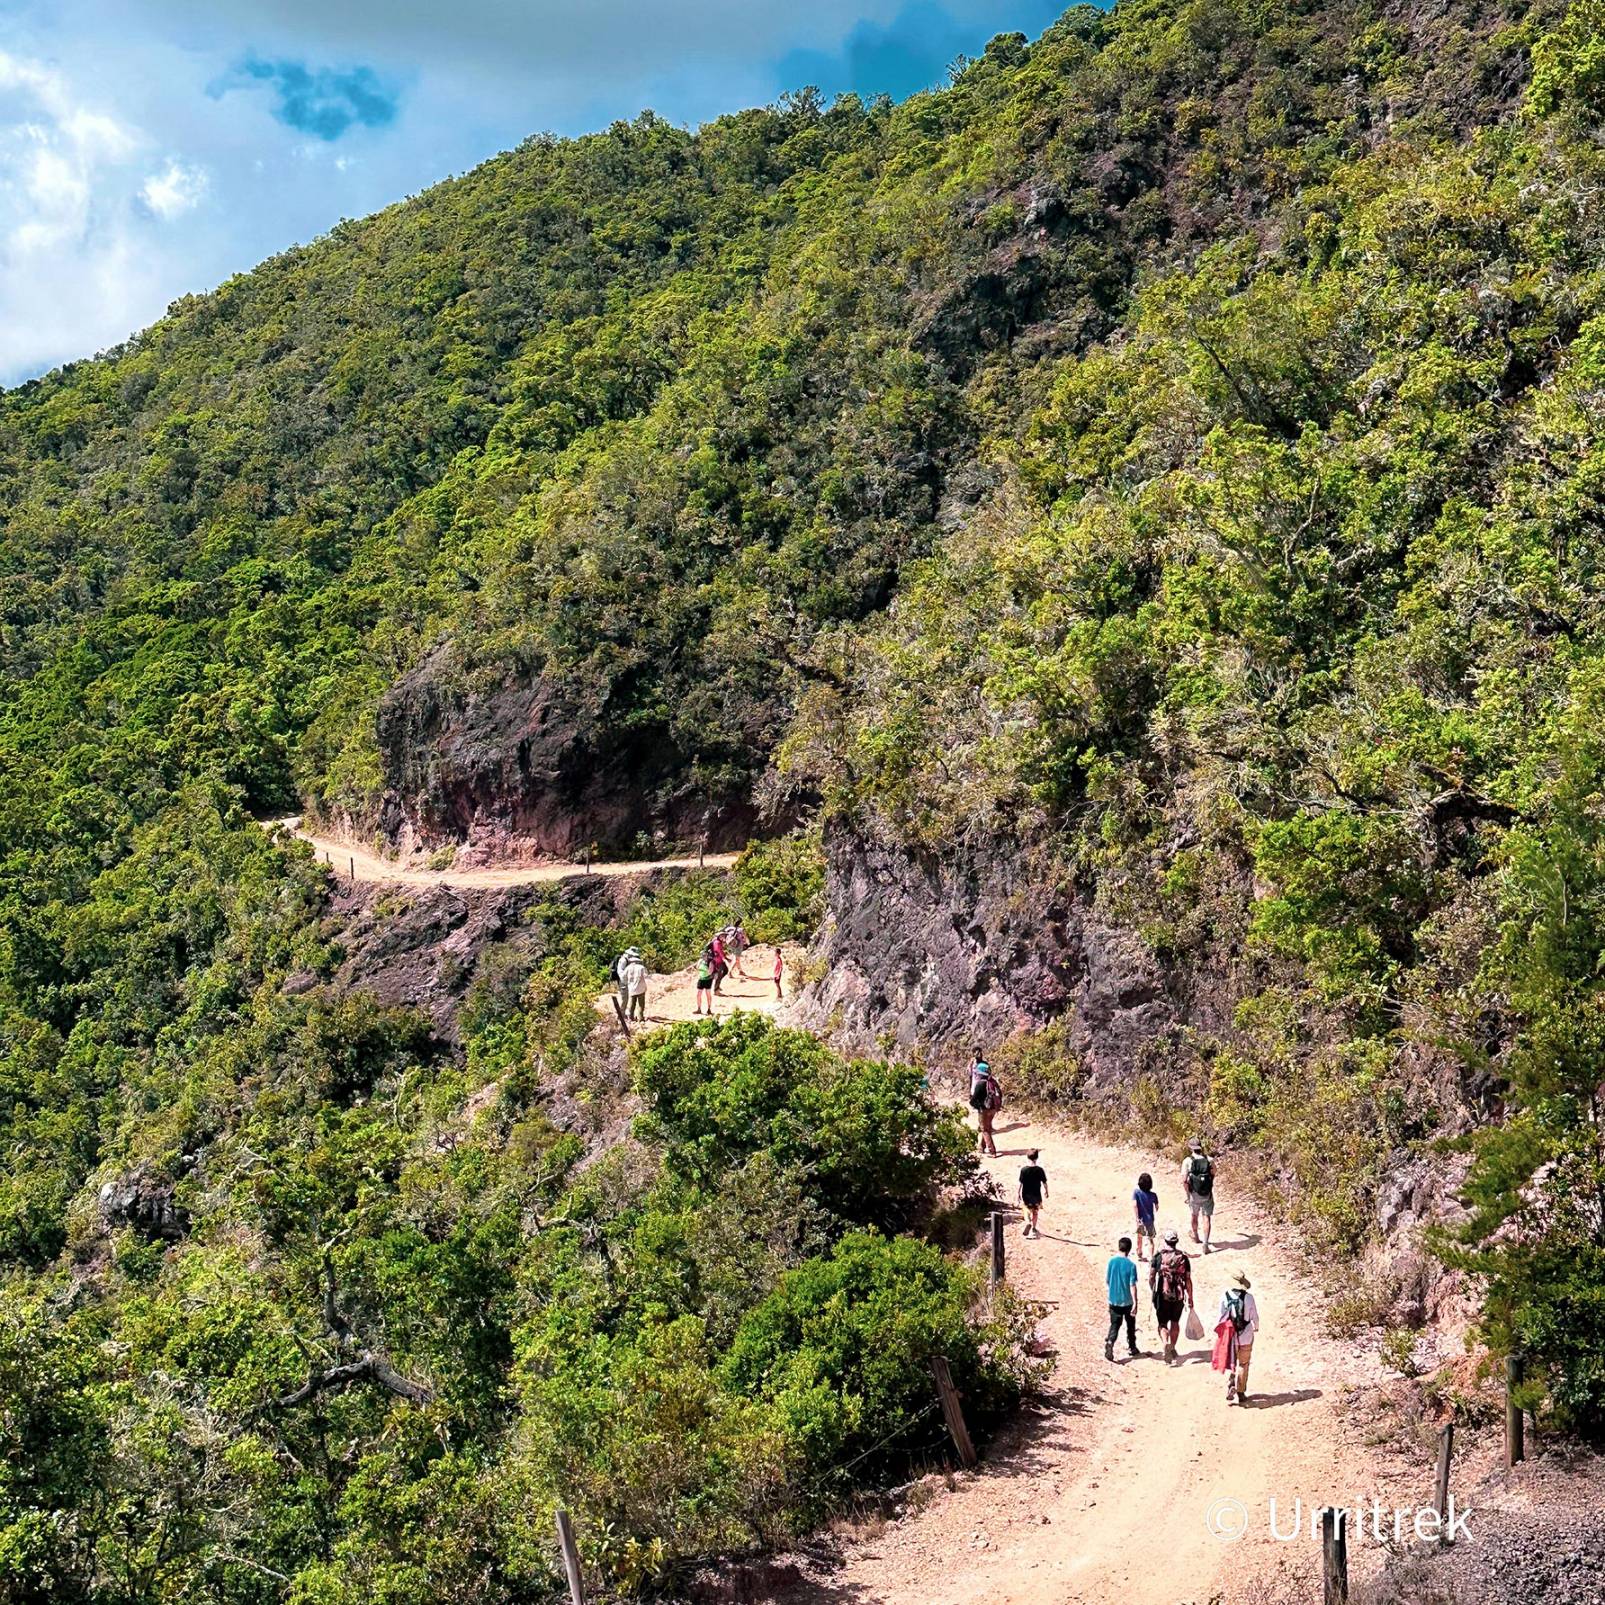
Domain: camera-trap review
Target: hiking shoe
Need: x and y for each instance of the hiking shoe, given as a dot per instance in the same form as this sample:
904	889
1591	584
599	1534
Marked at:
1134	1354
1206	1248
1108	1351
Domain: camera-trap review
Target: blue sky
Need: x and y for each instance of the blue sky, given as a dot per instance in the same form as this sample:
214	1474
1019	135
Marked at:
149	148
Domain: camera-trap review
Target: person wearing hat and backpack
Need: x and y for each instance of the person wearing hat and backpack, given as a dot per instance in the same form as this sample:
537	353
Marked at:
1198	1183
1234	1337
1170	1280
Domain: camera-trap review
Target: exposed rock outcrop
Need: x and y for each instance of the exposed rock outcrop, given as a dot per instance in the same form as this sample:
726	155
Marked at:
143	1200
939	954
529	769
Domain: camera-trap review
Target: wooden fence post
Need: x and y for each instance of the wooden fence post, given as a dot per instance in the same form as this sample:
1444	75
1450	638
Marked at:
702	849
952	1410
1515	1437
1334	1557
571	1558
351	865
618	1009
1440	1503
997	1248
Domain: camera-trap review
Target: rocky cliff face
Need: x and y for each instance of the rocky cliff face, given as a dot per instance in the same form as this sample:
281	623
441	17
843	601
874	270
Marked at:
529	769
948	954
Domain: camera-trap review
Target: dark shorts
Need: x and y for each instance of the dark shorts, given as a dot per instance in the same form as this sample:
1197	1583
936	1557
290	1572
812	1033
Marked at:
1030	1202
1167	1310
705	985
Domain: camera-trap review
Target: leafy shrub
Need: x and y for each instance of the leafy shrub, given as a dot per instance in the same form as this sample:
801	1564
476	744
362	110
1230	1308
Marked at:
782	887
841	1353
866	1135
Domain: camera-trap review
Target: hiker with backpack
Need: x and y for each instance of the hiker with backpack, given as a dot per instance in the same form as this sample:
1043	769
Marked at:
1121	1276
1198	1183
705	982
1234	1337
1170	1281
720	960
986	1098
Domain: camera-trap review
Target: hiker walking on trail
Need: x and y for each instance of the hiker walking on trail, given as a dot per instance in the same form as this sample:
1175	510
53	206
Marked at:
1033	1189
1121	1275
780	964
986	1098
632	982
1198	1183
720	960
1170	1280
1144	1203
705	983
1234	1337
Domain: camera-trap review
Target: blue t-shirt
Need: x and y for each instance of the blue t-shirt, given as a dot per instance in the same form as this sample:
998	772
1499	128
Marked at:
1147	1203
1122	1279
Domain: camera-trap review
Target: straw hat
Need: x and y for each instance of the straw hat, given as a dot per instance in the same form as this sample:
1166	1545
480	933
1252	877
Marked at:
1242	1281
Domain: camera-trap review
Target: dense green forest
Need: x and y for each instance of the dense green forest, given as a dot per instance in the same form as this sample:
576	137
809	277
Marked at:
1174	445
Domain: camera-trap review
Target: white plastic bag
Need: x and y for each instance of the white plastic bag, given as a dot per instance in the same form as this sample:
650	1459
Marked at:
1194	1328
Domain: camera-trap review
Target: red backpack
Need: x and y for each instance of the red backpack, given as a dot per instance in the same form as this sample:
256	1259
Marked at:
1173	1275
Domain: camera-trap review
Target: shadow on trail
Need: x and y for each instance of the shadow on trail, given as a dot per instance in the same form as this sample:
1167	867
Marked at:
1269	1401
1221	1245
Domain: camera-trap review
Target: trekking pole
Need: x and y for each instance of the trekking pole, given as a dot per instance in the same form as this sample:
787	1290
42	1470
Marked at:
1446	1447
1515	1436
571	1558
1334	1557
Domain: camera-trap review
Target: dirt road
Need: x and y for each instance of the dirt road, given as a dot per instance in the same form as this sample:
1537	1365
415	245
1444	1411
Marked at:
346	858
1107	1495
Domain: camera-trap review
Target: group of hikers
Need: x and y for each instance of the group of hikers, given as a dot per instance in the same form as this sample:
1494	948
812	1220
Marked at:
722	955
1170	1270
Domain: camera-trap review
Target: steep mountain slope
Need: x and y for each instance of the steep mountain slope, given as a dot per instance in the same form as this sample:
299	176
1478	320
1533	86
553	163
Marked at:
1140	503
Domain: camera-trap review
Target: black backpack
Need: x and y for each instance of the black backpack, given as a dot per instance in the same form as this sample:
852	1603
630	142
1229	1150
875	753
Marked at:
1201	1177
1236	1311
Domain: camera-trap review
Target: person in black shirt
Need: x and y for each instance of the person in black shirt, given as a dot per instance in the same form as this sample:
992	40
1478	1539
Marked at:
1033	1189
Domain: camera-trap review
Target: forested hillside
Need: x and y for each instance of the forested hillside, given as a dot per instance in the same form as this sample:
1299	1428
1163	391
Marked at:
1150	489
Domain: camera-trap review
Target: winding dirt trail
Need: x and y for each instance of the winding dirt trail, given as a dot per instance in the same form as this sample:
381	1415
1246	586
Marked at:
1105	1494
362	864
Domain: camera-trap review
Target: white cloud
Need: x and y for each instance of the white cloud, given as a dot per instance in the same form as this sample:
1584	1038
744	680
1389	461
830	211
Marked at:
78	198
175	190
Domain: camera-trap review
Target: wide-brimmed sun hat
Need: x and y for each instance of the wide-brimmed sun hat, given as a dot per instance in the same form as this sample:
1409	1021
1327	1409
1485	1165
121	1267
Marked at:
1242	1281
1173	1238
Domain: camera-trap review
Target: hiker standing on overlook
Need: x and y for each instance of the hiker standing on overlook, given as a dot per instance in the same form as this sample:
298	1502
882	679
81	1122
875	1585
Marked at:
1121	1276
625	959
986	1098
1198	1183
632	982
1234	1337
1170	1280
720	960
705	983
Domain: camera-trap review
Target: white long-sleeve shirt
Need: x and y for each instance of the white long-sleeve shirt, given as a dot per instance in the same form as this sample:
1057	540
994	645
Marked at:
1250	1315
634	978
